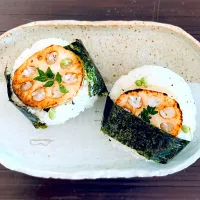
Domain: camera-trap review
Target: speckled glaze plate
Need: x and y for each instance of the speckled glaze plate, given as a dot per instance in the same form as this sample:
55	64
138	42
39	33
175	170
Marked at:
78	149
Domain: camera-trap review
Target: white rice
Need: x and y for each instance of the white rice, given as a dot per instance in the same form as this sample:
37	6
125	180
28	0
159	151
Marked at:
162	80
64	111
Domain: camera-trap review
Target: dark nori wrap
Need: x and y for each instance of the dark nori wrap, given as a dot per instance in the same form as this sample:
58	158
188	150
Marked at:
148	140
96	85
34	119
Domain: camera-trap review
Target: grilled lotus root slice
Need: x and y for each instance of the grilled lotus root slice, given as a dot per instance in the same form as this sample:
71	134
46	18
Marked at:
34	93
168	115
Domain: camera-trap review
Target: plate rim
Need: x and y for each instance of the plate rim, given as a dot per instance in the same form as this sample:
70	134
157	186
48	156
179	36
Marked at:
106	23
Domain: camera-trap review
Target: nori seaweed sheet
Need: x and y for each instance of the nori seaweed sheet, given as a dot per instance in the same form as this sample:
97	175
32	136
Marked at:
34	119
94	78
148	140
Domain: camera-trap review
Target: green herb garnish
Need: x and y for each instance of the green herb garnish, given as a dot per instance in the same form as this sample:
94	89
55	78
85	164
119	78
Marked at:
41	78
49	78
52	113
145	114
63	89
41	73
49	73
58	77
66	62
49	83
142	82
186	129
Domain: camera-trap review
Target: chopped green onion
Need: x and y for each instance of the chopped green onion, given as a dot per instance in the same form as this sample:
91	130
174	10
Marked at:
145	85
52	113
186	129
144	82
66	62
138	83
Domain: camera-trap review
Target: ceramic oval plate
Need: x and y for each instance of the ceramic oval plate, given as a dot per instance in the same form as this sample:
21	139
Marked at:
78	149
